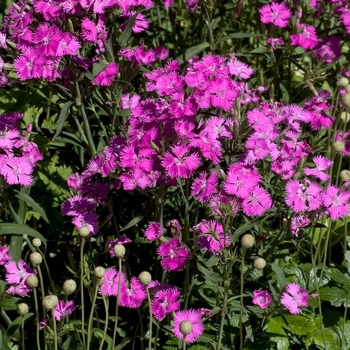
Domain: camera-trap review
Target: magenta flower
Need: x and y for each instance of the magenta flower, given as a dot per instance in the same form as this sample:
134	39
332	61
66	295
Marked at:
4	255
63	309
154	231
165	300
297	222
17	170
177	164
275	13
336	201
134	295
322	164
211	236
203	187
222	93
262	298
174	255
17	272
307	39
240	69
257	202
294	297
29	64
274	42
329	49
68	45
110	282
106	77
192	316
112	244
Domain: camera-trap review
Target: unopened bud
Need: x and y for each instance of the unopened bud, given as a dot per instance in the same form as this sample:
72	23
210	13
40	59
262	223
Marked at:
185	327
347	88
119	250
259	263
99	271
32	281
35	258
247	241
338	146
22	309
343	82
345	116
145	278
50	301
345	99
345	175
36	242
69	286
84	231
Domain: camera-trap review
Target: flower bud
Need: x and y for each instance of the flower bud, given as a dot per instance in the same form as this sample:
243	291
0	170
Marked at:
345	175
99	271
97	281
145	278
247	241
338	146
185	327
347	88
119	250
35	258
259	263
32	281
69	286
343	82
50	301
22	309
345	116
345	99
84	231
36	242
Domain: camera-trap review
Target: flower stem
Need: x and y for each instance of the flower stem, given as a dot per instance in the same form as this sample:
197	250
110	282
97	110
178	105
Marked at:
118	298
37	319
184	345
82	291
91	316
106	321
54	329
241	302
150	319
22	326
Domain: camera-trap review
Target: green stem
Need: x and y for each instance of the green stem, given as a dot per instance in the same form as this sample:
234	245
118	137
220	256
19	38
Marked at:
37	319
183	345
82	291
150	319
22	324
241	302
42	297
106	321
89	327
54	329
118	298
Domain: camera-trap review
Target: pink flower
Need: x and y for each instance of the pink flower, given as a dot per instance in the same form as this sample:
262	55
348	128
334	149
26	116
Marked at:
239	69
322	164
278	14
134	295
68	45
106	77
29	64
211	236
110	282
176	164
262	298
297	222
43	323
63	309
174	255
4	255
307	39
192	316
154	231
336	201
203	187
329	49
257	202
17	273
223	93
275	41
120	240
165	300
294	297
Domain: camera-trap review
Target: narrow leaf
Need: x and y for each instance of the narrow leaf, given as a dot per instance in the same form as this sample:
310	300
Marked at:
280	275
193	51
124	37
16	247
62	118
133	222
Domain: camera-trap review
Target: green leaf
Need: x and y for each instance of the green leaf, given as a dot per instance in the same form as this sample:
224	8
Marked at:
339	277
280	275
98	67
16	247
62	118
132	223
209	275
193	51
335	295
30	201
243	228
100	334
124	37
300	325
16	323
261	49
285	93
9	303
9	229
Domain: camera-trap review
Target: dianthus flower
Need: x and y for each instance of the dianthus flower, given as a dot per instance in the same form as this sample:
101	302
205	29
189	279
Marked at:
153	231
222	93
174	255
239	69
165	300
275	41
4	255
120	240
29	64
203	187
110	282
336	202
194	318
294	297
17	272
297	222
262	298
211	236
329	49
322	164
63	309
275	13
134	295
307	39
257	202
106	77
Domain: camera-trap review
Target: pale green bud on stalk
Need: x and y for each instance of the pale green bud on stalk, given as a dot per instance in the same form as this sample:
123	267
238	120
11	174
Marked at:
347	88
338	146
345	175
35	258
343	82
99	271
32	281
345	99
50	301
36	242
119	250
345	116
185	327
84	231
145	278
259	263
22	309
69	286
247	241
